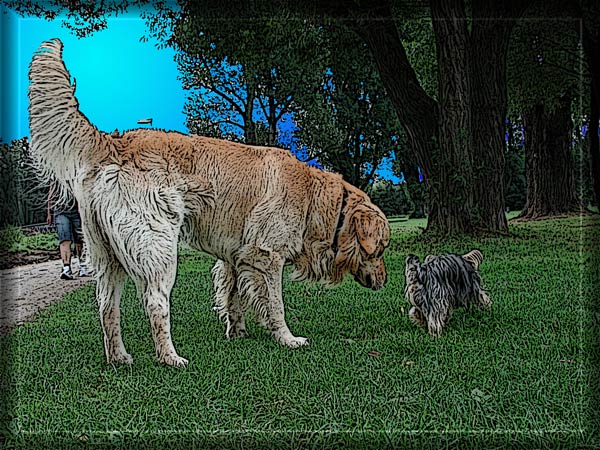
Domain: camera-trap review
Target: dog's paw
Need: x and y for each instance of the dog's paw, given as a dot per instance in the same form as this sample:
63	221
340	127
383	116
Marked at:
235	329
174	361
484	301
123	358
236	334
296	342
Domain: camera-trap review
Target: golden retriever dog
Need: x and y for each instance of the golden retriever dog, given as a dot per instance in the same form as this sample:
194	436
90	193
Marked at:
255	209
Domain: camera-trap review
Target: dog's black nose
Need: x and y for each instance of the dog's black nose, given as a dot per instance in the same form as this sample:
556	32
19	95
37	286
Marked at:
378	286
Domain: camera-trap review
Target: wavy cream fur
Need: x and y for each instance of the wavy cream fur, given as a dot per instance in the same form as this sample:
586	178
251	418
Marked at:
255	209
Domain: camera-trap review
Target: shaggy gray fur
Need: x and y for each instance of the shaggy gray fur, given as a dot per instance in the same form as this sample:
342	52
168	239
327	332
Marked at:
441	284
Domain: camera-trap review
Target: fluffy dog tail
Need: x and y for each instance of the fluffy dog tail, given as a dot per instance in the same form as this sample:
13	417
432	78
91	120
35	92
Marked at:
63	141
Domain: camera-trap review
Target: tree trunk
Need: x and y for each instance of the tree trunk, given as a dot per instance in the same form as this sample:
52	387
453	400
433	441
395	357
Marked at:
591	47
453	162
594	145
489	46
249	124
444	157
549	163
272	122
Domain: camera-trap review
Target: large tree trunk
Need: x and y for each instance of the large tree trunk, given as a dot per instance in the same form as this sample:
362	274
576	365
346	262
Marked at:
594	144
549	163
416	110
439	136
489	47
452	166
466	129
591	47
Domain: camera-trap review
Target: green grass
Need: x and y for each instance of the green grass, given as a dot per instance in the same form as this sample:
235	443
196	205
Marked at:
521	373
12	239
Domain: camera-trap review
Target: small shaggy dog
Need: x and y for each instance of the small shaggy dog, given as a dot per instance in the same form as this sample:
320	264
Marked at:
441	284
254	209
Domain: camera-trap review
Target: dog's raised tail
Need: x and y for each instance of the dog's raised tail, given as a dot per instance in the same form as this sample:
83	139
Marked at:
62	138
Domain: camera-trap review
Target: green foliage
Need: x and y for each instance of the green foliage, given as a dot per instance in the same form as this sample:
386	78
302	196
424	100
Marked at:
390	198
515	181
243	74
348	122
519	376
543	63
418	39
12	239
23	195
9	236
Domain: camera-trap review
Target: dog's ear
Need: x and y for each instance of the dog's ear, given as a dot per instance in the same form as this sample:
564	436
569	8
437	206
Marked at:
369	229
474	257
412	260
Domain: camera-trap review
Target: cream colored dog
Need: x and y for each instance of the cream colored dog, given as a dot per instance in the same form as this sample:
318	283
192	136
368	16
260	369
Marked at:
255	209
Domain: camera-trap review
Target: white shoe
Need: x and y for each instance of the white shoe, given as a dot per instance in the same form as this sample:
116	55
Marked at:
83	271
66	274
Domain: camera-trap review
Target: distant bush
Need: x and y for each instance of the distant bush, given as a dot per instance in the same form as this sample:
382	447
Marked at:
390	198
12	239
9	236
23	195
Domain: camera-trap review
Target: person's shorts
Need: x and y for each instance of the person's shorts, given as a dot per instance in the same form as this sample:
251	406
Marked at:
68	227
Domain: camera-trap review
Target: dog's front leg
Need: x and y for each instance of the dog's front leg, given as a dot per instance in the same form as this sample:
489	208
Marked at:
260	275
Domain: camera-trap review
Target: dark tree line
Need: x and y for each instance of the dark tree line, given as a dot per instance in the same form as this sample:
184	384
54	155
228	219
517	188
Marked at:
454	135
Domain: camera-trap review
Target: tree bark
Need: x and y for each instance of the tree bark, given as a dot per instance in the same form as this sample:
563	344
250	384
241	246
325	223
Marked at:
438	134
594	145
549	163
453	162
250	137
591	47
489	48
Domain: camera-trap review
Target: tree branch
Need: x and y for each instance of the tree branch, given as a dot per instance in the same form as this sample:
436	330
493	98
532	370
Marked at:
262	106
228	122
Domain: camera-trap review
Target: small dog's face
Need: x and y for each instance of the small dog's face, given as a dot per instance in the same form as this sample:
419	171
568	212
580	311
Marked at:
412	268
362	241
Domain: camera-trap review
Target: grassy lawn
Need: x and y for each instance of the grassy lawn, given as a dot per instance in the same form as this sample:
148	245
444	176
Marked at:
522	373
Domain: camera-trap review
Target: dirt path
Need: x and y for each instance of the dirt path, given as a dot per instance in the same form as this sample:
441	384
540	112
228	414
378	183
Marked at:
26	290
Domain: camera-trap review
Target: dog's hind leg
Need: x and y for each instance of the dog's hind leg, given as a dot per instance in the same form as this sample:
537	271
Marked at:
110	280
260	274
155	292
227	299
417	317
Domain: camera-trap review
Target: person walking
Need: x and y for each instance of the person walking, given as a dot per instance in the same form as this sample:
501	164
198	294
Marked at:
68	229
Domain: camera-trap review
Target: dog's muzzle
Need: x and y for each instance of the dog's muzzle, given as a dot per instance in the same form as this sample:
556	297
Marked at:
371	282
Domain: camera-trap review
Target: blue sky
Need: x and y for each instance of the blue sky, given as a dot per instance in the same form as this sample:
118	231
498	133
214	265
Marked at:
119	79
